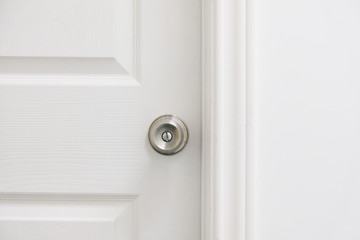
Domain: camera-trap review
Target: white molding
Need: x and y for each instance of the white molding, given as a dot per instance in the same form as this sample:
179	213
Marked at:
83	80
226	120
69	197
135	38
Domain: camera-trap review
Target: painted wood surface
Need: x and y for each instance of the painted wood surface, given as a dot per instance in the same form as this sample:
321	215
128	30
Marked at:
68	140
283	86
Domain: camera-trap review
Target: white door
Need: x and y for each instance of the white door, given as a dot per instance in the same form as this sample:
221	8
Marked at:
80	83
304	61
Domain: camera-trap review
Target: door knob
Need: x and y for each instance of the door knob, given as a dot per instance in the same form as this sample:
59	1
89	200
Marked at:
168	135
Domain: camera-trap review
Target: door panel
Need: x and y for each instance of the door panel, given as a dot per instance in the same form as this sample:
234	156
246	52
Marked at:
77	217
74	153
71	139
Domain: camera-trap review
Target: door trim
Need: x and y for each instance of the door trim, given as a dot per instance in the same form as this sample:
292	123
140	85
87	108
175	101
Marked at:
228	132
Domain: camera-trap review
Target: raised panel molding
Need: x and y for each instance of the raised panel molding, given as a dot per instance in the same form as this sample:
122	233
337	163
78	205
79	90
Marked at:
66	40
58	217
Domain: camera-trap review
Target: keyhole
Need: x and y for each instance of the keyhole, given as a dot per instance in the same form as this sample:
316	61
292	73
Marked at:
167	136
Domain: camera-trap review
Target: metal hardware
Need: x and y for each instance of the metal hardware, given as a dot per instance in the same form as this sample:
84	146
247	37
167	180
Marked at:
168	135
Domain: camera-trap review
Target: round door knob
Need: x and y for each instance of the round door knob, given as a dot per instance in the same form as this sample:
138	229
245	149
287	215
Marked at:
168	135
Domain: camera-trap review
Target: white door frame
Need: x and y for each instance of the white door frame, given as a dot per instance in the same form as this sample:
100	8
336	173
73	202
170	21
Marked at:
227	120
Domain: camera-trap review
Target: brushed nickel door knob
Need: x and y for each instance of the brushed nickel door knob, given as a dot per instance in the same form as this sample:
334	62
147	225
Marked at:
168	135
